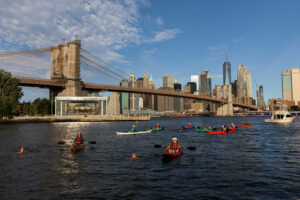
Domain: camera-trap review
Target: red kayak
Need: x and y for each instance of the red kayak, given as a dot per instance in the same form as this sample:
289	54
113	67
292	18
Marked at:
244	125
222	132
171	156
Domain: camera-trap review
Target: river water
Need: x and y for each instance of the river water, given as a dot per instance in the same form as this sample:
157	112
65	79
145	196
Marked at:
259	162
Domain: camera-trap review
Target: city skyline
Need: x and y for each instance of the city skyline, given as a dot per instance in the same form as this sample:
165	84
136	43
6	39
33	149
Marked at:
158	40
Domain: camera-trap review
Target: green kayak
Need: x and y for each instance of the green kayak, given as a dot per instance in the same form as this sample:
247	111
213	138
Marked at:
203	130
157	129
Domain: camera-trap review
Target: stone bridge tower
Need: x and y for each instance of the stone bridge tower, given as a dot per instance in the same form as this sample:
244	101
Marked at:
65	66
224	92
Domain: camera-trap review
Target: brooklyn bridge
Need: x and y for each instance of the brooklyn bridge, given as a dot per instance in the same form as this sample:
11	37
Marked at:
66	81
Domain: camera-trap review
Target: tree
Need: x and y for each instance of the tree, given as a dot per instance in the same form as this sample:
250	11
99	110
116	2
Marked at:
42	106
10	94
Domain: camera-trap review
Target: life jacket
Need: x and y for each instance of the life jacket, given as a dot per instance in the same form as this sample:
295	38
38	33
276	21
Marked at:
207	126
157	126
174	146
78	140
189	125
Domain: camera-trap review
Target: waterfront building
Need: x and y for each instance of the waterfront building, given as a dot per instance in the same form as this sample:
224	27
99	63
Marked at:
165	103
195	79
88	105
291	85
226	72
124	97
139	84
178	102
205	83
147	97
168	81
193	87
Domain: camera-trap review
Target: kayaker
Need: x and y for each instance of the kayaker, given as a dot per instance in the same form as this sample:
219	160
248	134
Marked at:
223	128
175	147
79	139
157	125
189	125
208	127
232	126
133	129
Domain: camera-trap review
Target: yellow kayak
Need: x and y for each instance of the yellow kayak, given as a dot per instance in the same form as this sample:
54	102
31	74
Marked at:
77	147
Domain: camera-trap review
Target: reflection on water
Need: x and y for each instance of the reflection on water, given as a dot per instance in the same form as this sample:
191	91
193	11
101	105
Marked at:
260	162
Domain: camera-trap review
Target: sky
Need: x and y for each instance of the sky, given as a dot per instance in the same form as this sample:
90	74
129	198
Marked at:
174	37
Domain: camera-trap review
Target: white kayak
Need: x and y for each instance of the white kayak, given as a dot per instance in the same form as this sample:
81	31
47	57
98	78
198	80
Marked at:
133	133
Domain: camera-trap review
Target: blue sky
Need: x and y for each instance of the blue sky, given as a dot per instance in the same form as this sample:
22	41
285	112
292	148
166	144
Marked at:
174	37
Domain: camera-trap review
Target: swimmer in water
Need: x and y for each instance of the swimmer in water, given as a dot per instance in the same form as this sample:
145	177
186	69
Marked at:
22	151
133	157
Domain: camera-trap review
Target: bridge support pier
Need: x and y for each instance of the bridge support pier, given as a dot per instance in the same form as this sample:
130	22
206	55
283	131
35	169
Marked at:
224	91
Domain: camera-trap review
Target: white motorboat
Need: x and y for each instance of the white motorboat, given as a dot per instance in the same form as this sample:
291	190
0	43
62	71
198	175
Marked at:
280	114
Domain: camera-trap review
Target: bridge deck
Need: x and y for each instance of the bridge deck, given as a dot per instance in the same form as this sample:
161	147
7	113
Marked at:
36	82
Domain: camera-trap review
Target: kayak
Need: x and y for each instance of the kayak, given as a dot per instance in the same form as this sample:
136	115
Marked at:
203	130
170	156
77	147
133	133
187	128
244	125
222	132
157	129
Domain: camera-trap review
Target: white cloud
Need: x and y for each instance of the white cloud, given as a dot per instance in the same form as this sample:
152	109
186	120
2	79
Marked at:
238	39
159	21
166	34
103	26
214	48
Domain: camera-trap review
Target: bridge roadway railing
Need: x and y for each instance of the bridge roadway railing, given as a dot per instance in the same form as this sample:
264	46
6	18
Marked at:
92	86
39	82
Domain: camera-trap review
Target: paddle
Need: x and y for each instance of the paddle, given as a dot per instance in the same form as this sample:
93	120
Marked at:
189	148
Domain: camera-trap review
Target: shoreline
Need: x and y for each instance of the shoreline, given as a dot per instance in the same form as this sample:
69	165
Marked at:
50	119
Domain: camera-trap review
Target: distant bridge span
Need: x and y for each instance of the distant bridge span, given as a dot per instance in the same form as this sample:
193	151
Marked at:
48	83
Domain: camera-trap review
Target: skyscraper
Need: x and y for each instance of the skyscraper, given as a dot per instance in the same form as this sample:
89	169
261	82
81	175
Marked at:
226	72
291	85
249	84
260	97
242	81
205	86
193	87
195	79
168	81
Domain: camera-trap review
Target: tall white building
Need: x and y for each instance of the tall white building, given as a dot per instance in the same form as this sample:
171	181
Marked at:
195	79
